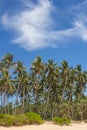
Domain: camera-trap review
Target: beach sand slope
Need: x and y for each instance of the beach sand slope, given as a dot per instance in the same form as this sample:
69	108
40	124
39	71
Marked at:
49	126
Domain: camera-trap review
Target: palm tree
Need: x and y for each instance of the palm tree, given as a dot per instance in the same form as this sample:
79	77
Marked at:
7	60
65	78
5	67
52	87
80	82
19	70
37	70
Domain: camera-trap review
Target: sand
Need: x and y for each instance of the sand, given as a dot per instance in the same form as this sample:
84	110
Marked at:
49	126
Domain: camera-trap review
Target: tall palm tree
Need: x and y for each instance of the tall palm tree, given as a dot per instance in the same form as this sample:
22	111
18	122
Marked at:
65	78
52	88
81	81
37	70
5	67
19	70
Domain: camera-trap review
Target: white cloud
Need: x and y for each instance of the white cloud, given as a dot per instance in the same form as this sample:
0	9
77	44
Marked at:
34	26
79	29
80	23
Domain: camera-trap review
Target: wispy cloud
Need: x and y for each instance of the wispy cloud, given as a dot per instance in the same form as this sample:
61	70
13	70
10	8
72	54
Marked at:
79	12
79	24
34	25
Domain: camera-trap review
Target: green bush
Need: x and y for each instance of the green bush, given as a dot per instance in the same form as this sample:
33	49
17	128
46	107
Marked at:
34	118
19	120
7	120
61	121
1	116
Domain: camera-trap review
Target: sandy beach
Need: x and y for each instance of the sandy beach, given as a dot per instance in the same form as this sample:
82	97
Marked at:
49	126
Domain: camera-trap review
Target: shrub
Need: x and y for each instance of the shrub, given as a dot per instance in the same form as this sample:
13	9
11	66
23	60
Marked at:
1	116
61	121
7	120
34	118
19	120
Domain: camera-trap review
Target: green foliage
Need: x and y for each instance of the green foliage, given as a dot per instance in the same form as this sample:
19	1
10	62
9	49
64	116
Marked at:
49	89
61	121
19	120
6	120
2	116
34	118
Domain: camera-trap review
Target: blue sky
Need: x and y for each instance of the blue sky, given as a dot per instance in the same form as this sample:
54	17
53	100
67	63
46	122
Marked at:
53	29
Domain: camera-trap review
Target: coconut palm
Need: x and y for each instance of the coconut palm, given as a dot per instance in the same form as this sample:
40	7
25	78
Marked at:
81	81
19	70
37	70
5	67
65	78
52	88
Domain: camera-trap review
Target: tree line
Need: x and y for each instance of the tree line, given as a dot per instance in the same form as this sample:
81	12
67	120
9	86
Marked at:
48	89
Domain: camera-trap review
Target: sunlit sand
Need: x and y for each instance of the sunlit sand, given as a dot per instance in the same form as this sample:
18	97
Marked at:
49	126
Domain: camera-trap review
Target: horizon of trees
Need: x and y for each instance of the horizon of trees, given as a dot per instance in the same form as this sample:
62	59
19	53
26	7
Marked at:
47	88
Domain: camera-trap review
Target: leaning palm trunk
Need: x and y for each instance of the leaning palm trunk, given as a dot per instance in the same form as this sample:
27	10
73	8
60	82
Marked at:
64	89
5	98
23	103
